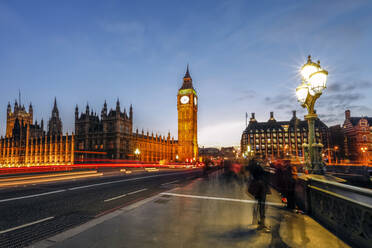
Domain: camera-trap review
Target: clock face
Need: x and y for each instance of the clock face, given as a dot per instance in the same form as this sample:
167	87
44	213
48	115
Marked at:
195	100
185	99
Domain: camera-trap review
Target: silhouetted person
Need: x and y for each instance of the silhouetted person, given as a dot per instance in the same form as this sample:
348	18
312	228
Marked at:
288	183
258	188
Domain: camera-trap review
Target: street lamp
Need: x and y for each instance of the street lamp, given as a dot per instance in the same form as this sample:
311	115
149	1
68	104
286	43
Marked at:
364	149
314	80
137	152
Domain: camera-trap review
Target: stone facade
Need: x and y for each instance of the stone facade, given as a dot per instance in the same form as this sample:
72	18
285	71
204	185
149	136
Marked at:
358	137
187	106
55	122
275	139
27	144
105	138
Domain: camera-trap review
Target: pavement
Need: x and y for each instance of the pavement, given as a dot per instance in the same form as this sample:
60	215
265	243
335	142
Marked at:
207	212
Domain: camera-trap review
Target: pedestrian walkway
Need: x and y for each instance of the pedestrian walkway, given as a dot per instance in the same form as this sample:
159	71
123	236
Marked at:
209	212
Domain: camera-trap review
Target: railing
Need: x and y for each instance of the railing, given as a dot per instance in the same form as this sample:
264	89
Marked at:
344	209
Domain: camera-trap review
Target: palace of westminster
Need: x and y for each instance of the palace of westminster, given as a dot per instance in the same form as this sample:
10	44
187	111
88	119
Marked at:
106	138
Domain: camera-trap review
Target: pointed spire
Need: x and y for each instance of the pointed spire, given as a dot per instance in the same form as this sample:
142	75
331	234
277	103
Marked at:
55	102
187	74
87	109
187	80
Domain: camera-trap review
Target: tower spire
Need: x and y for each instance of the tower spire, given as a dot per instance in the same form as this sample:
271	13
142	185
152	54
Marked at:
187	74
19	97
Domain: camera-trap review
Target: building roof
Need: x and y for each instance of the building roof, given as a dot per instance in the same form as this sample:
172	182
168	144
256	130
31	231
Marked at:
279	125
355	120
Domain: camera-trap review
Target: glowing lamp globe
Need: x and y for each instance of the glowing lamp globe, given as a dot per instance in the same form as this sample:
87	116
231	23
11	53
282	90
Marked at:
318	81
301	93
309	68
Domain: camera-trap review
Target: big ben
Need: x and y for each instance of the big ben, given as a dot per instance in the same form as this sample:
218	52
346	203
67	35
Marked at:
187	106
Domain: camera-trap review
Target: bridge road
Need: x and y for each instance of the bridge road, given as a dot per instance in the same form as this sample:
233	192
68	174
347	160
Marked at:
32	212
208	212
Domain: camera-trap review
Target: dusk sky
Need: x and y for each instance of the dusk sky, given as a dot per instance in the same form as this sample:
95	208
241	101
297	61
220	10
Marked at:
244	56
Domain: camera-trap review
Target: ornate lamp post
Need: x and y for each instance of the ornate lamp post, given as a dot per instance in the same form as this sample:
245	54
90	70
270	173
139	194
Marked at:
314	80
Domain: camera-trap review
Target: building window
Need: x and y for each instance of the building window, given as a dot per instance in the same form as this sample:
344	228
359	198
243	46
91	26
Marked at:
364	138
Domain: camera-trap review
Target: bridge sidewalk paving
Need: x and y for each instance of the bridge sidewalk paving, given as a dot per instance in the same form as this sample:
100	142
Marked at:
209	212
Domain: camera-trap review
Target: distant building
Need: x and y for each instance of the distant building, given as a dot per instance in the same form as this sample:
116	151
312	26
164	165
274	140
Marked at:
358	137
19	114
99	138
55	122
275	139
27	144
229	152
336	144
211	153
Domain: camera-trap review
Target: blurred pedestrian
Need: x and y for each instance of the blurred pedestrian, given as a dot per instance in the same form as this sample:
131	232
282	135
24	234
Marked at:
288	183
258	188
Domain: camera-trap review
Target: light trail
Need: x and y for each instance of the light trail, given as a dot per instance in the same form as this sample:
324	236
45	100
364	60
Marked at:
92	185
26	225
50	179
10	179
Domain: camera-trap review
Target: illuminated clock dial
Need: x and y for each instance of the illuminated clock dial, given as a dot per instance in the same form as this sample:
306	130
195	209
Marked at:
195	100
185	99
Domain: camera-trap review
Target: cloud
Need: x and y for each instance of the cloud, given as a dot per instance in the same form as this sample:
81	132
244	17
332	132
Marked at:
246	95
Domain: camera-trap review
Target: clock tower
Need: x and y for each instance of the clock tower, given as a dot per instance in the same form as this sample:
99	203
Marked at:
187	106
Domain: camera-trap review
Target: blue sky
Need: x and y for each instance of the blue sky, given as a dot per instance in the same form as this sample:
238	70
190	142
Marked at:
244	57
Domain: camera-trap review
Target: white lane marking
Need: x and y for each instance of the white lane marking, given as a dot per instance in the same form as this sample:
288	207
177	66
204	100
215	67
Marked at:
31	196
120	196
114	198
137	191
92	185
219	198
170	182
25	225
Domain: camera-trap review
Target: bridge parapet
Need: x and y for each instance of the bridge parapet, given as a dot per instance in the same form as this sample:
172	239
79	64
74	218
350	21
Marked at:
344	209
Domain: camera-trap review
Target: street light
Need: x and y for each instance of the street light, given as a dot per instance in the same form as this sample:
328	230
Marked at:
314	80
364	149
137	152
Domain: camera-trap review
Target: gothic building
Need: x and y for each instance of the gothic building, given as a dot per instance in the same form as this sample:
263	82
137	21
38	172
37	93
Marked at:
55	123
187	106
27	144
274	139
19	113
108	136
111	135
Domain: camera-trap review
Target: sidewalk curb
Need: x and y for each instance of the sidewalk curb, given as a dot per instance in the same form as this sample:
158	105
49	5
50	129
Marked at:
79	229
